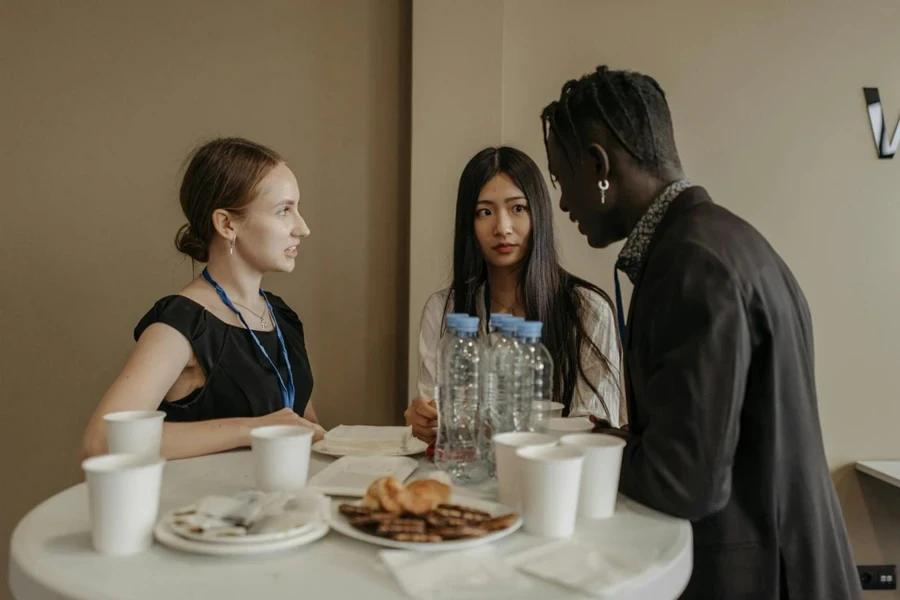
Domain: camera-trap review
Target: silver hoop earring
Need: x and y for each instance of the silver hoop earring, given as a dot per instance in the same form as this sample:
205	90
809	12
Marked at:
603	185
231	248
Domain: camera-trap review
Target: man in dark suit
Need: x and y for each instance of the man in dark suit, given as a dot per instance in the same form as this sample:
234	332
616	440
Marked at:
723	420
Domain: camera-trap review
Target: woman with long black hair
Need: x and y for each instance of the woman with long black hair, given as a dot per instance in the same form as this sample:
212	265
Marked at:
505	261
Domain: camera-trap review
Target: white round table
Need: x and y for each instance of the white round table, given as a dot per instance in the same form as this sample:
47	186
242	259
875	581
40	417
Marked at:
51	556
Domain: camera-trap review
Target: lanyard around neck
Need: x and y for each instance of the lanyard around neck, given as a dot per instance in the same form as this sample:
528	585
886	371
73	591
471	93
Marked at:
287	389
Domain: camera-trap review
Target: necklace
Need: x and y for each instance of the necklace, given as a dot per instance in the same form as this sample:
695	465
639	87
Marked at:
263	323
262	318
504	309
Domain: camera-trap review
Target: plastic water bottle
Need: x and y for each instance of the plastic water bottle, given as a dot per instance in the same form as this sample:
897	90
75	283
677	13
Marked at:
449	332
494	331
497	318
457	450
508	408
539	371
451	319
517	320
495	339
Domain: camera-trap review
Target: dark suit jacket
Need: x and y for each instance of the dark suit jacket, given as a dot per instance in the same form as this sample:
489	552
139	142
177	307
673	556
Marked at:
723	415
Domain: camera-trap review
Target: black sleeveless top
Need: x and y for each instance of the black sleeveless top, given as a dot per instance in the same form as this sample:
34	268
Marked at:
239	380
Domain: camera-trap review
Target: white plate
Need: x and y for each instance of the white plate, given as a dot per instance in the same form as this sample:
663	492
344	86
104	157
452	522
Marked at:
307	509
207	538
413	446
164	535
352	475
339	523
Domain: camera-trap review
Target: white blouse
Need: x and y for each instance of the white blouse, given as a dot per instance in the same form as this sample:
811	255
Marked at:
600	321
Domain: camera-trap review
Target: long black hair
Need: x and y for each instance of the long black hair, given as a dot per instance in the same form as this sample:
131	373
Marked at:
551	294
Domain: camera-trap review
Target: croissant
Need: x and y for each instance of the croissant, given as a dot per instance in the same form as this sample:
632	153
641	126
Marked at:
370	500
426	495
388	494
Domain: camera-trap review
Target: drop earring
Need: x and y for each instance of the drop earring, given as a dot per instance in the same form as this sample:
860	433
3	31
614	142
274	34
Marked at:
603	185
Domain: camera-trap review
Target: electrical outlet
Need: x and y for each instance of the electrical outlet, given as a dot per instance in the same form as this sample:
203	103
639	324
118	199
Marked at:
878	577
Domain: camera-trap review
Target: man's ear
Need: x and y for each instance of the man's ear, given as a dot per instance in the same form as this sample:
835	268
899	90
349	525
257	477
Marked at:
599	161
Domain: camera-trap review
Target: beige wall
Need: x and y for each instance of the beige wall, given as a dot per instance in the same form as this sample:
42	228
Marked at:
457	103
770	117
100	104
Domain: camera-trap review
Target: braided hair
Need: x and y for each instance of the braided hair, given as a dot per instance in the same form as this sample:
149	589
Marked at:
631	106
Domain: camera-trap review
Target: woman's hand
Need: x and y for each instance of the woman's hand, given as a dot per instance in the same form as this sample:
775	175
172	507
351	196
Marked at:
422	416
285	416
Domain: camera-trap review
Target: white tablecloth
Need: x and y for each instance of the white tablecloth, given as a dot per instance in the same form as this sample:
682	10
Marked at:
51	556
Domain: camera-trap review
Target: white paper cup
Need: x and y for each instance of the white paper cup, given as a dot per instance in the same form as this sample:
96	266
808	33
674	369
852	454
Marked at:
123	499
136	432
549	409
281	456
541	413
600	474
505	446
550	480
560	426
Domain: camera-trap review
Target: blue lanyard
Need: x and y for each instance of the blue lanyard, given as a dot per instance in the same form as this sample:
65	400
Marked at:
287	391
620	310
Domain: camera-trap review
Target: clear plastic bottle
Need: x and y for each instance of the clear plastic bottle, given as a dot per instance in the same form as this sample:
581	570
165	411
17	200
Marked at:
539	372
508	408
516	321
446	337
494	339
460	437
449	333
493	330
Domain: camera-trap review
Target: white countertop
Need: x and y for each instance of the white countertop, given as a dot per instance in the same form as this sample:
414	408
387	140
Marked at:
886	470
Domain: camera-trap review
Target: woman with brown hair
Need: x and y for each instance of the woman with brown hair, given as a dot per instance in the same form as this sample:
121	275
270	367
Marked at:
222	356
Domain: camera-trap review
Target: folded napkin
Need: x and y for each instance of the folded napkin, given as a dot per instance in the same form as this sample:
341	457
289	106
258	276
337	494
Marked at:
250	513
367	439
586	567
475	573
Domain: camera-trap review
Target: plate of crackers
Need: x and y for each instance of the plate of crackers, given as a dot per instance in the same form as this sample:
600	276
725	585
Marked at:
424	515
